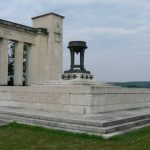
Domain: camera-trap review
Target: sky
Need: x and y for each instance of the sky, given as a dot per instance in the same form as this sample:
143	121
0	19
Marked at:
117	33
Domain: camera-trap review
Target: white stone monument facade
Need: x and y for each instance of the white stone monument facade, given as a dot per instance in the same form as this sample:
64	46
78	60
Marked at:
45	90
44	41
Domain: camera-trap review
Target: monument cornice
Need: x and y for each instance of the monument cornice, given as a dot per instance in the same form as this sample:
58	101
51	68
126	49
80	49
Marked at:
21	27
51	13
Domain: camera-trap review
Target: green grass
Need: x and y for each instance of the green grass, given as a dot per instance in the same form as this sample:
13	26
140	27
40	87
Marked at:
23	137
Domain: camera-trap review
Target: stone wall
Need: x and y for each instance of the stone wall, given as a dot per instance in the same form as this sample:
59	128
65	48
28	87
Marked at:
117	98
69	98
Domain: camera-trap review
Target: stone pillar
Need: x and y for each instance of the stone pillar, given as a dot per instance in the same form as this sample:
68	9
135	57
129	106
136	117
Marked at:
41	58
28	46
31	65
3	61
53	58
18	72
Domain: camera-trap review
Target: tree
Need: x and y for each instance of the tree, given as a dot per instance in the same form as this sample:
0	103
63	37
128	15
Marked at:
11	60
25	57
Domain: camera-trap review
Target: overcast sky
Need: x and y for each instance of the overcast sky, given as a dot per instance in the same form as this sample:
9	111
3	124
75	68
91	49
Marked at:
117	33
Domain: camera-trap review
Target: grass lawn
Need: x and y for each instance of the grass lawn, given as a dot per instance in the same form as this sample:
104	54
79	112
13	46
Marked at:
23	137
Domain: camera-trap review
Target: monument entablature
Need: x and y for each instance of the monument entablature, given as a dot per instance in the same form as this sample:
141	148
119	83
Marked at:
18	32
20	27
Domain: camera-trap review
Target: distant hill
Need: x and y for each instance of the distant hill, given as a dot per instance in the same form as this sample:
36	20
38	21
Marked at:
134	84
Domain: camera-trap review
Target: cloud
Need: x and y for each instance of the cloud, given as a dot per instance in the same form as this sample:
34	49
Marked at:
107	33
117	31
110	30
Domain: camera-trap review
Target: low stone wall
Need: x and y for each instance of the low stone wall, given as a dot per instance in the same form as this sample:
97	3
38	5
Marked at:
74	98
117	98
30	97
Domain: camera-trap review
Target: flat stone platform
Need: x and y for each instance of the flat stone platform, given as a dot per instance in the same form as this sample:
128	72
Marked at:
104	124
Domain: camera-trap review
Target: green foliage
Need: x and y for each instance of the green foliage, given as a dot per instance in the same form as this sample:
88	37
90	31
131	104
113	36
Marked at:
25	57
11	61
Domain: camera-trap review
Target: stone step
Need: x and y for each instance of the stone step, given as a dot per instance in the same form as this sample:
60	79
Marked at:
53	124
85	122
75	127
108	135
127	126
55	119
125	120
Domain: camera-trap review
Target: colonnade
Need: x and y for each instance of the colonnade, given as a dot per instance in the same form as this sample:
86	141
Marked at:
18	63
44	43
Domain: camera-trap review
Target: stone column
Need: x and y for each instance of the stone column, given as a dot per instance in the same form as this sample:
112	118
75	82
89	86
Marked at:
72	59
29	64
18	72
3	61
82	60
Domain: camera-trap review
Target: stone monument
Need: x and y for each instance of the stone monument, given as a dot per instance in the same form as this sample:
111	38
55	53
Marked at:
49	90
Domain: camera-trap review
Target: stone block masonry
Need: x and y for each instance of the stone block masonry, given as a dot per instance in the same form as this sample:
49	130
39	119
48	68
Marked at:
83	99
